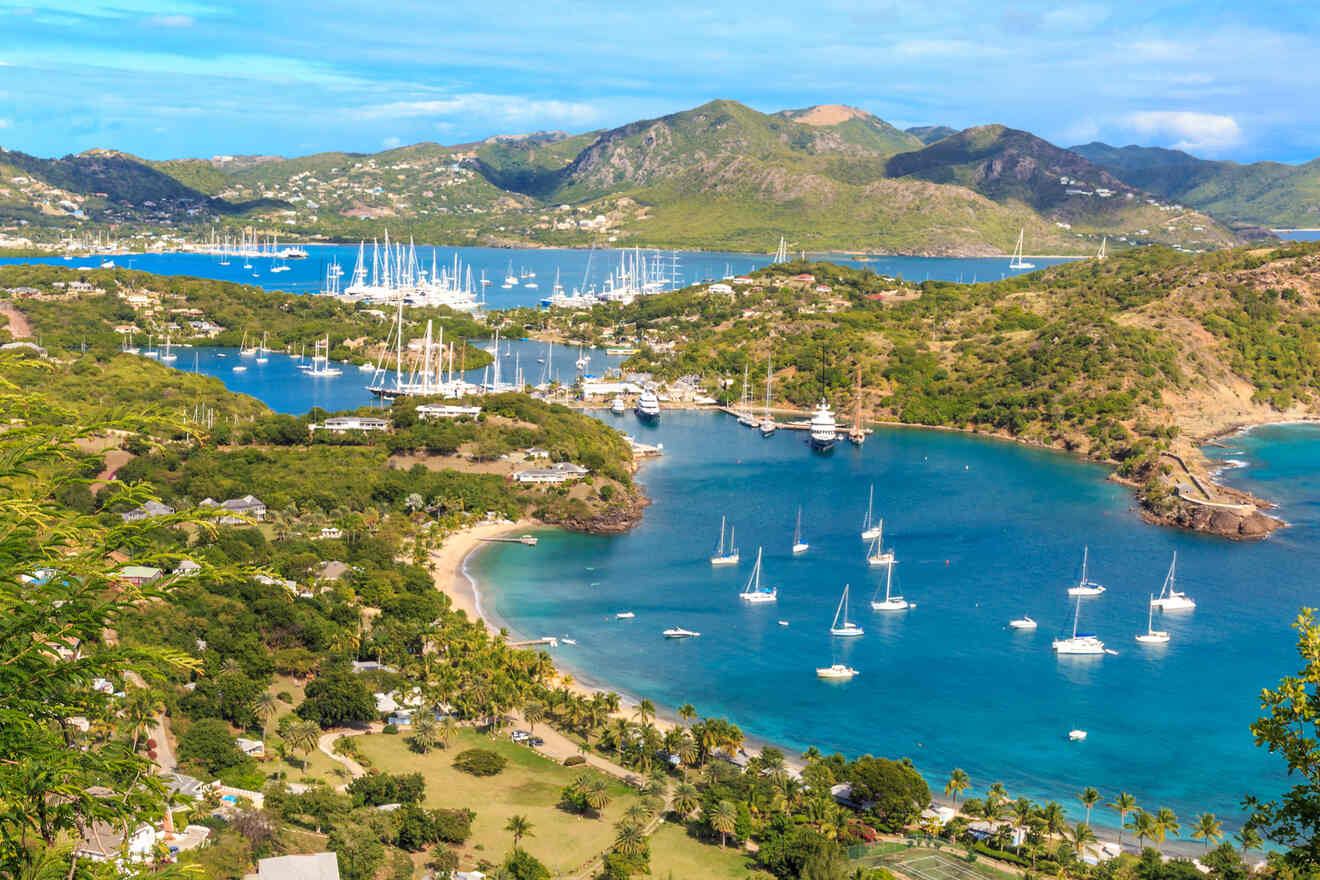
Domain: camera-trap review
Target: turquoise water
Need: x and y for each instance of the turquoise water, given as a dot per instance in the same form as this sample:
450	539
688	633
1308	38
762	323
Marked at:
985	531
574	265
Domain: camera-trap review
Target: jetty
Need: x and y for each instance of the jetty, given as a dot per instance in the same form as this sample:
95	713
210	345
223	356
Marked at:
804	425
529	540
547	641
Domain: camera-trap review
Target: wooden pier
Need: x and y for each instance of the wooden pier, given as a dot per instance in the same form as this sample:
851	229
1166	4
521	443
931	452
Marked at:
548	641
529	540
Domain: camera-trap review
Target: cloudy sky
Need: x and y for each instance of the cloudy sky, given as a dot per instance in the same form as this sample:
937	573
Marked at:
163	79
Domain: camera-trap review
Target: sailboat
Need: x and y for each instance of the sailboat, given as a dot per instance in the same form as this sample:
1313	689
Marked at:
1152	636
745	416
169	355
799	546
262	351
857	434
510	279
723	556
875	554
842	626
768	425
870	531
1104	249
1170	599
243	350
891	602
1017	262
1085	587
1084	643
582	361
754	592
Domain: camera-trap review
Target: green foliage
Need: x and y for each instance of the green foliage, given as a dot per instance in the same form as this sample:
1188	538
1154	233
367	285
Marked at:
359	849
897	791
480	762
375	789
521	865
336	698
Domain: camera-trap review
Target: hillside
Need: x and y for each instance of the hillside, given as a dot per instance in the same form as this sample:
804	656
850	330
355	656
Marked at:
929	134
1260	193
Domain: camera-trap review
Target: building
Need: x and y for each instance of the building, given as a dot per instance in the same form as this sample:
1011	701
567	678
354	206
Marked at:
186	568
139	575
239	510
560	472
343	424
146	511
329	533
103	843
447	411
313	866
253	748
592	389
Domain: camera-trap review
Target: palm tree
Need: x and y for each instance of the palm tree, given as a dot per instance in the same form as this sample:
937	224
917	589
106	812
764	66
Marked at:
1089	798
447	730
1079	836
685	799
996	793
1167	822
1207	829
1055	820
303	737
1249	838
1023	810
1124	804
534	713
1143	824
597	792
637	813
519	827
957	784
645	713
687	712
724	819
425	734
629	839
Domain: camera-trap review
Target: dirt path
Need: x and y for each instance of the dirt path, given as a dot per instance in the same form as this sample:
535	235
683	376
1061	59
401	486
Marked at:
327	741
559	747
19	328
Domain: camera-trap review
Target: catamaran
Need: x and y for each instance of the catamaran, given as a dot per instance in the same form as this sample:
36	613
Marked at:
875	554
871	529
842	626
799	545
1017	262
1170	599
1152	636
891	602
722	555
1083	643
1085	587
754	592
837	671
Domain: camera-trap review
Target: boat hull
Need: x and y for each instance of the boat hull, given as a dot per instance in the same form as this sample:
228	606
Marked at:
822	444
891	604
1085	591
849	633
759	598
724	560
1174	604
800	548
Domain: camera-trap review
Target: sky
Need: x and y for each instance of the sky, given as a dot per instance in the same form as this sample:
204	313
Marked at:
173	79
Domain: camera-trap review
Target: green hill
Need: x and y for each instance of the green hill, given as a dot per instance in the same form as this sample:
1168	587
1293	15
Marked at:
929	134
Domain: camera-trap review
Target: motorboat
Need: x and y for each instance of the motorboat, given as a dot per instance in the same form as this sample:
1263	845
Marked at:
1023	622
677	632
836	672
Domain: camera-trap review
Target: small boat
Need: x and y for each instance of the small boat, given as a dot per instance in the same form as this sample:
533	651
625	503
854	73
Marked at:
1079	643
107	264
569	641
723	555
799	545
582	361
871	530
263	351
768	426
891	602
1152	636
1170	599
1023	622
624	615
1085	587
367	368
617	406
783	623
239	369
677	632
877	556
836	672
754	592
842	626
1076	735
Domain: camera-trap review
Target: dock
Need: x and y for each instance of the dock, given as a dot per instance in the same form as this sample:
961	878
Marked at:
547	641
529	540
801	425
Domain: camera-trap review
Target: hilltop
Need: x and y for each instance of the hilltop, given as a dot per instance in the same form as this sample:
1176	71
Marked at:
722	175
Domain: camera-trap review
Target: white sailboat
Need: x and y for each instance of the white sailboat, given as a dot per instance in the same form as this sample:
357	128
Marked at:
875	554
243	350
1085	587
1017	262
1152	636
168	356
754	592
745	417
1169	598
1083	643
836	672
725	556
582	362
799	545
842	626
768	425
870	531
891	602
262	351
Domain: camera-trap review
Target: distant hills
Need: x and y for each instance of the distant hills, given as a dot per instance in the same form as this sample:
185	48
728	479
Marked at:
722	175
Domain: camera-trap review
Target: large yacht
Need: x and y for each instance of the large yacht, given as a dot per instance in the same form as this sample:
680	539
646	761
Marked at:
824	430
648	405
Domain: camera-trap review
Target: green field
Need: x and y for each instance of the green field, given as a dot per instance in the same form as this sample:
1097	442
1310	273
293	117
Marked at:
675	854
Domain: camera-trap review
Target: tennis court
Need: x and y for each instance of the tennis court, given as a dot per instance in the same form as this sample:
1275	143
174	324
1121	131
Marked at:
921	863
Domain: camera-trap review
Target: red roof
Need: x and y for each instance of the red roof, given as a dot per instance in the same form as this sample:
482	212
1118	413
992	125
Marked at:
805	276
875	296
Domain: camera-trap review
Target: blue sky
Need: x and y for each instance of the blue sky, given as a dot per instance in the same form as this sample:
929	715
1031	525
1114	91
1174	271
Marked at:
160	79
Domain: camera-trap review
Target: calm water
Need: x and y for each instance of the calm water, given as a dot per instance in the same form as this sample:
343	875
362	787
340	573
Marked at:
574	265
1300	235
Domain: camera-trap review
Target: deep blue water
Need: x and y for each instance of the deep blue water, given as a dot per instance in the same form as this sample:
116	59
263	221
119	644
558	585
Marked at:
1300	235
574	265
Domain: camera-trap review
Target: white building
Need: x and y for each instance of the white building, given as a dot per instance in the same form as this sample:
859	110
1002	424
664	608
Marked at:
343	424
447	411
560	472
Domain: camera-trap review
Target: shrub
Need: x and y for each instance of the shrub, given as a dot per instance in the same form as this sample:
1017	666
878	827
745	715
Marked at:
574	761
390	728
479	762
387	788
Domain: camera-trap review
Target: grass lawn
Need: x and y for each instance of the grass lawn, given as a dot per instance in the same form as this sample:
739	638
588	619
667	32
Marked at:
528	786
675	854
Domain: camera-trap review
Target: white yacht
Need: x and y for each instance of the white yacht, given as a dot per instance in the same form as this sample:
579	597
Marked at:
263	351
1152	636
648	405
239	369
876	554
1079	643
799	545
1170	599
842	626
754	592
617	406
1085	587
1076	735
725	555
624	615
891	602
1017	262
870	529
768	425
1023	622
677	632
836	672
824	430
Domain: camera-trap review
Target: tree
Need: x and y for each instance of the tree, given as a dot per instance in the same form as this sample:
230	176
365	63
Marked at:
1207	829
1079	836
267	707
424	733
1249	838
1290	726
1089	798
645	712
448	730
1166	822
957	784
629	839
519	827
685	799
1124	803
337	698
687	712
897	791
303	736
826	863
723	818
359	849
534	713
209	744
522	865
1143	825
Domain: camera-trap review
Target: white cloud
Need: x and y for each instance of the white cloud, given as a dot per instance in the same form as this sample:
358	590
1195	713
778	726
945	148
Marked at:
6	123
1082	17
1187	130
391	142
173	21
507	109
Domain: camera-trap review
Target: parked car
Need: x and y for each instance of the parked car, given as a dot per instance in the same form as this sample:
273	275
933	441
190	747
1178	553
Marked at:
520	736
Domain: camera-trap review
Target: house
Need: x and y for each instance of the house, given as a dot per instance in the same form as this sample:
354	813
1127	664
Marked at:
805	276
447	411
187	568
102	842
240	510
938	813
371	666
253	748
332	571
146	511
592	389
343	424
720	287
536	452
329	533
312	866
560	472
139	575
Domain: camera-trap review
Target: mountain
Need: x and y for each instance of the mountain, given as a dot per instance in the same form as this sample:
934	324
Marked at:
1260	193
929	134
854	127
